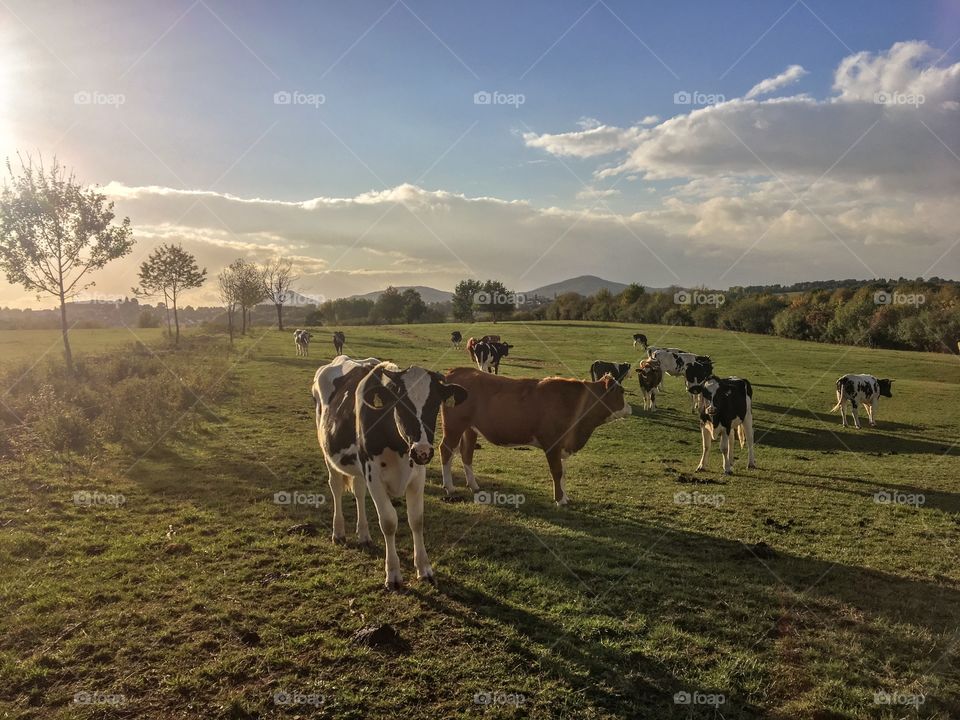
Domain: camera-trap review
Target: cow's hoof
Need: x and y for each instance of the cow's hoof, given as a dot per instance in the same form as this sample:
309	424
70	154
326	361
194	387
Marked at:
365	543
395	585
752	466
700	468
454	498
339	539
563	501
428	578
728	472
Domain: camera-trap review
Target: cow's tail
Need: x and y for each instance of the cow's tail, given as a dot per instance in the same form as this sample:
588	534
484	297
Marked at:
840	397
742	435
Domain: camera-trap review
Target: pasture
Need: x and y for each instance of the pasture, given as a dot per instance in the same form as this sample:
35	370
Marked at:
788	590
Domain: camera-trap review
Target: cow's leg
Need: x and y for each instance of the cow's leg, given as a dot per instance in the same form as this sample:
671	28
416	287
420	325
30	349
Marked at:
363	528
415	519
843	411
335	478
555	461
707	437
748	432
726	451
449	446
388	524
869	407
855	411
653	399
468	444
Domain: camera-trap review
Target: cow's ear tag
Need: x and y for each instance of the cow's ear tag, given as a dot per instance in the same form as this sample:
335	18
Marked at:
377	401
450	402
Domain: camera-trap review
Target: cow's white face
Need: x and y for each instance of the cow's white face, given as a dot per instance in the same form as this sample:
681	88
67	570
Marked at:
707	390
418	395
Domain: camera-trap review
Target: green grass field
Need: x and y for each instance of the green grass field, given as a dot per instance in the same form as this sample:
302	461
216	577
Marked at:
787	589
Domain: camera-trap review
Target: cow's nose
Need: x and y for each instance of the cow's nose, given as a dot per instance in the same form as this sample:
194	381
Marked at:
421	454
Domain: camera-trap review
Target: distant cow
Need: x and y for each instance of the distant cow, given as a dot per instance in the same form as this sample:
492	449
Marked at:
696	372
674	360
650	375
490	339
375	424
301	338
726	405
455	339
556	414
487	355
338	341
619	371
639	340
861	390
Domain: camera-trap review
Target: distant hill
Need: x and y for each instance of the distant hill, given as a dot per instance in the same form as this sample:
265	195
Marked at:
428	294
584	285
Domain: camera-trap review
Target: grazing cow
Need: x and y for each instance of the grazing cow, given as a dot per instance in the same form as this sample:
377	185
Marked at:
639	339
673	360
375	424
619	371
726	405
301	338
455	339
650	375
696	372
490	339
861	390
556	414
338	341
487	355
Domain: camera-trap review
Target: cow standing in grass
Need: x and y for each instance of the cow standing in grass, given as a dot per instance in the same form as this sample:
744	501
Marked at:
861	390
455	339
338	341
301	338
726	406
375	424
650	375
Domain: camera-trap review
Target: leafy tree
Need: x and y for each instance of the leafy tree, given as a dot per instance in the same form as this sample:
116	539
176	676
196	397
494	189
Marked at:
463	299
389	306
229	295
495	299
54	232
169	270
251	289
279	278
414	308
148	319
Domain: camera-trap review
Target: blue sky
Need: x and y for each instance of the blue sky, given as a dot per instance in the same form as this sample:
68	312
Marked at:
398	81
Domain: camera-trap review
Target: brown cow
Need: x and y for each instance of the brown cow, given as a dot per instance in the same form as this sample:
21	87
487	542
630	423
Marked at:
556	414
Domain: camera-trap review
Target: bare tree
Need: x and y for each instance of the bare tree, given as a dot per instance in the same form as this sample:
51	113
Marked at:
229	295
279	279
251	287
54	231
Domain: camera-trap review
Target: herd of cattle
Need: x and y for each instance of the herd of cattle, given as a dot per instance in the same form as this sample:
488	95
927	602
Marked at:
376	422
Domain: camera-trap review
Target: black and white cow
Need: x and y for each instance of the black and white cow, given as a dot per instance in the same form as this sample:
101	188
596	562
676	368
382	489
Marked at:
673	361
696	372
488	355
618	371
455	339
376	424
861	390
338	340
301	338
726	405
639	340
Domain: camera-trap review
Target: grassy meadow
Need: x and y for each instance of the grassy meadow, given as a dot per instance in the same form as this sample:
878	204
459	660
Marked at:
786	592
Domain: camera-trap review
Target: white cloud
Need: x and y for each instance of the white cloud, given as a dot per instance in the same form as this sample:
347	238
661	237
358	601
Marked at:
650	120
787	77
594	194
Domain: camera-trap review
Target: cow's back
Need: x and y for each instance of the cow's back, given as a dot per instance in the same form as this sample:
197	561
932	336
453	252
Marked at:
334	389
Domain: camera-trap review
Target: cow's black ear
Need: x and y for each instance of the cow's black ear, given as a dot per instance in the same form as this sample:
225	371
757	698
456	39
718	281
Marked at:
452	394
695	389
